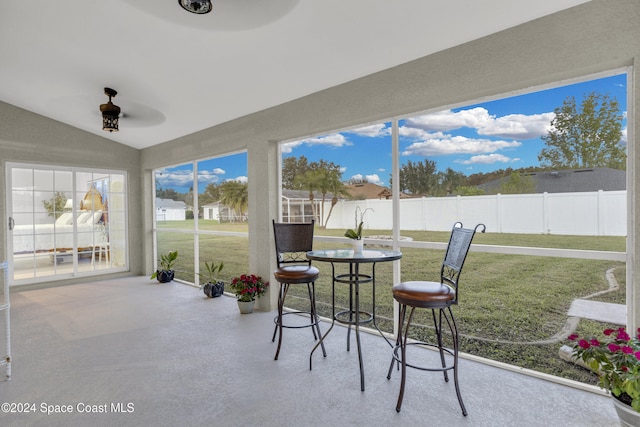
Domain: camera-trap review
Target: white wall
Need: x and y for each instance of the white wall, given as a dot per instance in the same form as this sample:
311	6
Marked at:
599	213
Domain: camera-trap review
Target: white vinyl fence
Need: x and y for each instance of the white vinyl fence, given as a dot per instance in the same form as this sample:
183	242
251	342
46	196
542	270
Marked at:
598	213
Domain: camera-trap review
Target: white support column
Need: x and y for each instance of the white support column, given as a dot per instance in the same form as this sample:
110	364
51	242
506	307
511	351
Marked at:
633	200
264	202
395	197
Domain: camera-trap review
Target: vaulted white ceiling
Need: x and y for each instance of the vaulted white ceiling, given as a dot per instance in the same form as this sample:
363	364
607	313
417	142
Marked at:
177	73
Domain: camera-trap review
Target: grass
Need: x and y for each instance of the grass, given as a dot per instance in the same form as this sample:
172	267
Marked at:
512	307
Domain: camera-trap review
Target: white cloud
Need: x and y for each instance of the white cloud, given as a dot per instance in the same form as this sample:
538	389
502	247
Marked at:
456	145
448	120
510	126
174	179
241	178
372	130
374	178
333	140
518	126
487	159
288	147
417	133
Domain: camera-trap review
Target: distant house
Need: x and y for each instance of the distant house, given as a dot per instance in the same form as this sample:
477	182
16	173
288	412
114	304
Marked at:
369	190
170	210
296	206
211	211
570	180
219	212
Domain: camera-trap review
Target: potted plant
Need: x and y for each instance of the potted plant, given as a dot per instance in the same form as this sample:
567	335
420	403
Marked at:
616	360
356	233
247	288
213	287
165	273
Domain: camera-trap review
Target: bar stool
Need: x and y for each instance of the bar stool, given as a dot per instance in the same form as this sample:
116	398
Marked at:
293	241
438	297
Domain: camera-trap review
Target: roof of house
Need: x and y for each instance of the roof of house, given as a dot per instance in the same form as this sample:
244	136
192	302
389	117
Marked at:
571	180
170	204
302	194
369	190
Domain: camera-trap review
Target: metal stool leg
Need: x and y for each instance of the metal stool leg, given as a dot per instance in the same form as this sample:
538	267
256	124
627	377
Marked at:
278	329
454	333
315	319
403	348
437	324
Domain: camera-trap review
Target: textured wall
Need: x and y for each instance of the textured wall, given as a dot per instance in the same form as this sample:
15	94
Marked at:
26	137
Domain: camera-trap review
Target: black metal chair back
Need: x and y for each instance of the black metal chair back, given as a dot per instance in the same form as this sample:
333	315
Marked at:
456	254
293	241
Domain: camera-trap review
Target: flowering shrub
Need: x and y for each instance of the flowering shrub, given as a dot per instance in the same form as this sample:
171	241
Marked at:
248	286
616	360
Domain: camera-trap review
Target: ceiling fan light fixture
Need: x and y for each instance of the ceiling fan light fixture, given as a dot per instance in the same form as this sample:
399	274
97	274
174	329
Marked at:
199	7
110	112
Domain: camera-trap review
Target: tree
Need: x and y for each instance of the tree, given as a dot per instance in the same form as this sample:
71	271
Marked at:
235	195
448	181
292	168
517	183
309	181
418	178
169	193
211	194
317	176
330	182
586	137
55	205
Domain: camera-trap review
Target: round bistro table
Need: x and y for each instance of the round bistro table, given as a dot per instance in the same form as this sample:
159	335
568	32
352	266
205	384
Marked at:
354	278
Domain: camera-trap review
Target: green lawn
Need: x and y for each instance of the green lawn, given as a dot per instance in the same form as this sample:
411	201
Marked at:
511	306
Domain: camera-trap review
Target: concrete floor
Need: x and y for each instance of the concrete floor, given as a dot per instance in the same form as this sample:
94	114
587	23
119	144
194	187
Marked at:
165	355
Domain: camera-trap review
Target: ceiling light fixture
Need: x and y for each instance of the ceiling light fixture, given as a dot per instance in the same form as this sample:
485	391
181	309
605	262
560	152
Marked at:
110	112
199	7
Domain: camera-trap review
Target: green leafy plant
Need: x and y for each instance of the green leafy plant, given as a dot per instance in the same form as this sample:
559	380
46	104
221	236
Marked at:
55	205
616	360
210	271
248	287
166	262
356	233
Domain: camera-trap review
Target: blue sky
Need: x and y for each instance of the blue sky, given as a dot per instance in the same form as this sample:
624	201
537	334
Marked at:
476	138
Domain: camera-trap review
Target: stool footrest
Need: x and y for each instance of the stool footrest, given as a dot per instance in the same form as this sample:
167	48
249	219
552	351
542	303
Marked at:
343	317
448	367
314	323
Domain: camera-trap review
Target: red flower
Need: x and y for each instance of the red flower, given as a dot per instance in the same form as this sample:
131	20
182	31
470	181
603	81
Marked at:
573	337
623	335
584	343
627	350
613	347
608	332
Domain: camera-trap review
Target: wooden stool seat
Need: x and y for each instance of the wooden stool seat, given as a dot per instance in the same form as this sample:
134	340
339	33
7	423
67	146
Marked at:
296	274
423	294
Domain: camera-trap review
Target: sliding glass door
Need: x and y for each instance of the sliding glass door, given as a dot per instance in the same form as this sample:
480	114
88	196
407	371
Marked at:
64	222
